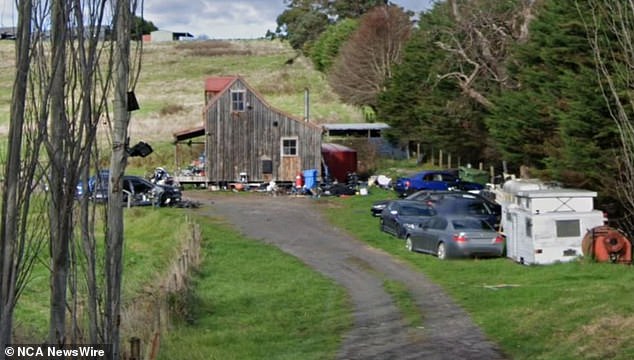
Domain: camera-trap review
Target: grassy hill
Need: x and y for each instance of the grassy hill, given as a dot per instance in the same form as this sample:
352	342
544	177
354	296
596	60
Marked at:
170	87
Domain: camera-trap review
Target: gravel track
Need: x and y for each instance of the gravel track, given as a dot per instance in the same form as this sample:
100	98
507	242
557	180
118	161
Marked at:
379	332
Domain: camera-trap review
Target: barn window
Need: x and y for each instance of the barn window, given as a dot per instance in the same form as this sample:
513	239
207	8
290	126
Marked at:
289	146
237	100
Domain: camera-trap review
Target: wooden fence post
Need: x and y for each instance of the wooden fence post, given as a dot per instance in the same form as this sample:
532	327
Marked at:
135	348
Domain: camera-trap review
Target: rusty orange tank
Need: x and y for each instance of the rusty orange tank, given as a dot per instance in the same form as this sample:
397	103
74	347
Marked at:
604	243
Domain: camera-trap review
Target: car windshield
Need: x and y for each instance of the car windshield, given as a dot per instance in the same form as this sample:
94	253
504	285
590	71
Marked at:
470	224
416	210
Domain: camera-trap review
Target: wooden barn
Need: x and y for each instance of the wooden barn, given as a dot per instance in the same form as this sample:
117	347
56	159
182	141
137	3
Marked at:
247	139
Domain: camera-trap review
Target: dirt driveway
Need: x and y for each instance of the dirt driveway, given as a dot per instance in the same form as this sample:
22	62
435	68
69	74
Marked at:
379	332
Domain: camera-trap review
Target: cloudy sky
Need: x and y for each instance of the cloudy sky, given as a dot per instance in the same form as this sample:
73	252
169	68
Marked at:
217	19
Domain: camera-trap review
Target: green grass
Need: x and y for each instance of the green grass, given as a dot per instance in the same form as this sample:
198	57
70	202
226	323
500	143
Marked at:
578	310
404	301
251	301
152	238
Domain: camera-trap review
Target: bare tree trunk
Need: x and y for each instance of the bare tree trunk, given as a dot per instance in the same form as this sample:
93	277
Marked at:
59	210
11	259
118	162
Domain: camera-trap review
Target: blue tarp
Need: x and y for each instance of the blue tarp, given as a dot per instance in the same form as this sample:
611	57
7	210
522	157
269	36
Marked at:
310	179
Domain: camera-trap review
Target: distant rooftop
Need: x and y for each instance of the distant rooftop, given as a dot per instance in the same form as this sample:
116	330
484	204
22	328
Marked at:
357	126
355	129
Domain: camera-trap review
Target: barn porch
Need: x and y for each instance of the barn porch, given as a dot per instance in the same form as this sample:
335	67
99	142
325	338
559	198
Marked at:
189	156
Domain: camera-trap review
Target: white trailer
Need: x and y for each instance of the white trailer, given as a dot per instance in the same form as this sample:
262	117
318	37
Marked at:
544	224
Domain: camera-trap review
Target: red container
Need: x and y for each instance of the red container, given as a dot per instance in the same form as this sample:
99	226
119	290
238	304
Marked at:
340	160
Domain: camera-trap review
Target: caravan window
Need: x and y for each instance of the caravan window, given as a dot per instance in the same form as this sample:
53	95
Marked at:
529	227
568	228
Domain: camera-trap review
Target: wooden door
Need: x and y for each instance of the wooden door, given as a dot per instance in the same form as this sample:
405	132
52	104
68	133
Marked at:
289	168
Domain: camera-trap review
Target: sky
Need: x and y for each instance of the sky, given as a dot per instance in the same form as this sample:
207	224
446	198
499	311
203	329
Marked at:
216	19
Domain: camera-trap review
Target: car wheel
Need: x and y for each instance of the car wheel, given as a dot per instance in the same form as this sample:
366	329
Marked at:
441	251
408	244
382	225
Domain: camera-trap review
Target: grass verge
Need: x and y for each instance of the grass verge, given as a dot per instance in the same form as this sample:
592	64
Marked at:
249	300
152	238
578	310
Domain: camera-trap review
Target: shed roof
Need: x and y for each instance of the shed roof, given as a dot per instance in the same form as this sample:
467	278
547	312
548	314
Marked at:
189	133
357	126
218	83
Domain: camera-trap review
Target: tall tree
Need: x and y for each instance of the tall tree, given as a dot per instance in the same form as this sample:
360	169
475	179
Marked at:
118	163
351	9
304	20
556	120
479	40
326	48
21	225
141	27
366	60
424	111
302	23
610	26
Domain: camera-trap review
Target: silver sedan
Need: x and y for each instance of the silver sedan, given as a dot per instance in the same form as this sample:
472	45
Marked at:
456	236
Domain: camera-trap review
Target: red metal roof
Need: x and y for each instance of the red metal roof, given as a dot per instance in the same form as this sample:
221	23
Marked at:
218	83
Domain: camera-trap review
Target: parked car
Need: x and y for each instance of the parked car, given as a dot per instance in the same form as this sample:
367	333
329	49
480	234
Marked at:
452	202
377	207
401	216
97	188
137	191
433	180
461	203
455	236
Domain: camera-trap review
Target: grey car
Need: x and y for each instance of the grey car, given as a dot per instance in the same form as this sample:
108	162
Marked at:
399	217
449	236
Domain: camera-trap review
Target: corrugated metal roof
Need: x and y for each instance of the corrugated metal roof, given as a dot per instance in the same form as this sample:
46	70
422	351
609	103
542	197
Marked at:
218	83
357	126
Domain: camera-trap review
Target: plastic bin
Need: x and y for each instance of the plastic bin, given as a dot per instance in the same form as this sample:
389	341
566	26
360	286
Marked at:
310	179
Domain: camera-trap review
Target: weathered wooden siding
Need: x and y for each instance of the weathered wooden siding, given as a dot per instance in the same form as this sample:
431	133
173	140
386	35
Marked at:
238	142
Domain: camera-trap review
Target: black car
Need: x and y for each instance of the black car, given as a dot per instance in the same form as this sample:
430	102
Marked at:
137	191
462	203
401	216
377	207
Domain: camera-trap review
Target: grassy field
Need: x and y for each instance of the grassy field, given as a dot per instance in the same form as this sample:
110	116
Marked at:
579	310
251	301
152	238
170	89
